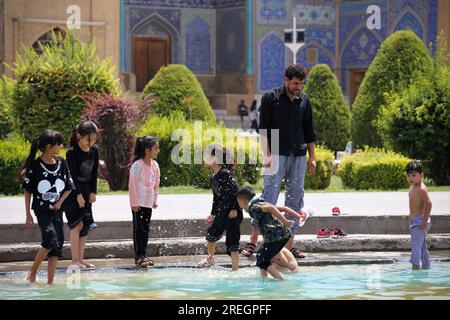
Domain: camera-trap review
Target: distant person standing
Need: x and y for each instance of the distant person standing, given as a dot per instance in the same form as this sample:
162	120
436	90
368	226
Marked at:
242	110
254	115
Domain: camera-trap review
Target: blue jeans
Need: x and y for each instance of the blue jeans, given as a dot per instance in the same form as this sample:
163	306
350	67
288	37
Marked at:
419	251
293	169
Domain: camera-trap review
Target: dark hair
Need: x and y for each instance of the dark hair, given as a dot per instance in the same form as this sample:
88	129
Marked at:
142	143
415	165
295	70
253	107
246	192
47	137
222	156
83	128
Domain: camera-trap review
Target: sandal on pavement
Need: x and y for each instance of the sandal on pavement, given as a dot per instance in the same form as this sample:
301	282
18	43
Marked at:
337	232
142	262
207	262
323	233
248	250
297	254
149	261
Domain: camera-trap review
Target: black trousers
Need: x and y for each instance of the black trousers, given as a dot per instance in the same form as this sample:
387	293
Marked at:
141	227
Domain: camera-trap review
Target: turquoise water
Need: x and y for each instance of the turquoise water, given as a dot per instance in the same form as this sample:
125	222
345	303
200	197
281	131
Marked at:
386	281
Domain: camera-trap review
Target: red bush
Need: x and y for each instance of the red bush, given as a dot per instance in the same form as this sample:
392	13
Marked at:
117	120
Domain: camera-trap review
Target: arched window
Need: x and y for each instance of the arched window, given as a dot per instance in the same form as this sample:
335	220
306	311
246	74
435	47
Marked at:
46	39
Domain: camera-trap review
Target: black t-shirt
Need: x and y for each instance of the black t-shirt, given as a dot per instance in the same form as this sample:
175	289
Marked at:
225	188
84	169
47	183
293	119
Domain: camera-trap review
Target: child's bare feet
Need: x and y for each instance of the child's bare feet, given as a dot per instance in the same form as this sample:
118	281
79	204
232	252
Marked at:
76	265
87	264
31	276
207	262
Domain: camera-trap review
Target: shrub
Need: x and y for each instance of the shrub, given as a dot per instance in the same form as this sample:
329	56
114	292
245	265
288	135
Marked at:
324	170
13	152
6	117
193	174
401	58
331	111
416	122
45	94
374	168
176	88
118	120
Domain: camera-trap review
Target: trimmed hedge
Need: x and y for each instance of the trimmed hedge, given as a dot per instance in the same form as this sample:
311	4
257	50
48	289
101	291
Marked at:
401	58
332	117
13	152
192	174
198	174
6	116
374	168
324	170
176	88
47	87
416	122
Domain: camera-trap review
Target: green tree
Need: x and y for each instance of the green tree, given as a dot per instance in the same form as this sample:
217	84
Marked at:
331	112
6	116
416	121
47	88
401	58
176	88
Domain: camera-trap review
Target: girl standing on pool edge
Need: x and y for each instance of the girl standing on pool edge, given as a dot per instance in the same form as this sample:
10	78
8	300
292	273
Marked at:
143	189
82	158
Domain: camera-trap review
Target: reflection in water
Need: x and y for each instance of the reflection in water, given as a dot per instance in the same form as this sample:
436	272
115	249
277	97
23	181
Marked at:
394	281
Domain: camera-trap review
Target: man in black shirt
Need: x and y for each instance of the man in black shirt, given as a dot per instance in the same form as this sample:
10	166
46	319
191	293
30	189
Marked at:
286	114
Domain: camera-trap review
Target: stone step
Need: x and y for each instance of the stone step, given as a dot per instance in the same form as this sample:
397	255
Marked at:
197	246
110	230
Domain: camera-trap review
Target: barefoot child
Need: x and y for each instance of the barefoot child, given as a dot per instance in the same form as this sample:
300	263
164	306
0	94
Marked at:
273	226
82	158
143	189
419	215
48	179
225	213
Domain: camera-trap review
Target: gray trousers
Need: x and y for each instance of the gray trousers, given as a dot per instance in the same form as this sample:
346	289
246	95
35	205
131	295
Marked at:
293	170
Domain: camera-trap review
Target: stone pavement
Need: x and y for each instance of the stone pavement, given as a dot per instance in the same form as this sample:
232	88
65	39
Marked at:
198	206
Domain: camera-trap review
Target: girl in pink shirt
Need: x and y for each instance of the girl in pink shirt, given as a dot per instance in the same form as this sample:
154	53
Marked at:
143	189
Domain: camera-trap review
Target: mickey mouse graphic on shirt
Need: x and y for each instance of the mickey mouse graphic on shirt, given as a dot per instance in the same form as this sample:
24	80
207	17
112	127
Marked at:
47	183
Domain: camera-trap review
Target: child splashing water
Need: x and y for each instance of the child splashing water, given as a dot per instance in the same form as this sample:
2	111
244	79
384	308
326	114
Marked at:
225	213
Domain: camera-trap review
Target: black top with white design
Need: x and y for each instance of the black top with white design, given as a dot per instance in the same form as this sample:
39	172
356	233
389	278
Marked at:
225	188
47	182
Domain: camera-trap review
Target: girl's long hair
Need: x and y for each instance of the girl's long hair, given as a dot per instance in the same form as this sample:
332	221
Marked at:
47	137
83	128
142	143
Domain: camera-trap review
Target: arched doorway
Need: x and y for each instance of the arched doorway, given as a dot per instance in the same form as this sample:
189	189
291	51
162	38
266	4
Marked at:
151	51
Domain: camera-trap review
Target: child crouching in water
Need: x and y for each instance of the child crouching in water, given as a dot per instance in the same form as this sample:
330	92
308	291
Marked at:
419	215
225	213
48	179
275	229
143	189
